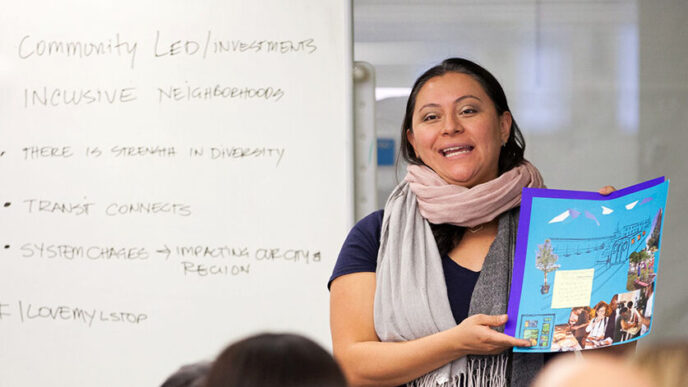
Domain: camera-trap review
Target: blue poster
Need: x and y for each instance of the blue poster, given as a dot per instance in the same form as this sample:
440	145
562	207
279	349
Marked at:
585	266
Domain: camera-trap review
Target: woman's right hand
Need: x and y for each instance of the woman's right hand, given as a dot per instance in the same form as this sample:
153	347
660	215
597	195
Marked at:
478	337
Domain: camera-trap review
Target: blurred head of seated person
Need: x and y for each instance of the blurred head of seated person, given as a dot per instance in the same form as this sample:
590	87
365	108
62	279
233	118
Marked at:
191	375
591	370
419	292
275	360
664	363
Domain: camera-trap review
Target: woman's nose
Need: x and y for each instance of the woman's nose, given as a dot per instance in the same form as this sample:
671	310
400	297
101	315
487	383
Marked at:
452	125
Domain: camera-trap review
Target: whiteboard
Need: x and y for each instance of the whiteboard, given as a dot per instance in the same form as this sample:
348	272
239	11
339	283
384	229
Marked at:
176	175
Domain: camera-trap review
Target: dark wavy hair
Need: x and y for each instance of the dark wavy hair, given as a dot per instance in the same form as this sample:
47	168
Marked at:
511	154
271	359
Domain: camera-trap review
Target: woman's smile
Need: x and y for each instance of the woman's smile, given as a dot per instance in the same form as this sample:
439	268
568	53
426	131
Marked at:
456	150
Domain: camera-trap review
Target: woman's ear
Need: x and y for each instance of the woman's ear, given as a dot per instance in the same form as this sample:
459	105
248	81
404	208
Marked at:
505	121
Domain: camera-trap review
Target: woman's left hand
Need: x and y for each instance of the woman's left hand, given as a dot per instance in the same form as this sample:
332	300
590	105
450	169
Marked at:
606	190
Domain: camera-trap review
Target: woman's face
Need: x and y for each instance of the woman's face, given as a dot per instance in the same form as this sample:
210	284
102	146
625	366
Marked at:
602	311
457	131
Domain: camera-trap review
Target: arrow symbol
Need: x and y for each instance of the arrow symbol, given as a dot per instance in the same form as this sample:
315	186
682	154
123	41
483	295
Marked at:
165	251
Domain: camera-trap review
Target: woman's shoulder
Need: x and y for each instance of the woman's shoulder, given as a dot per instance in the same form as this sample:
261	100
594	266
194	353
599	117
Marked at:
366	232
359	251
371	222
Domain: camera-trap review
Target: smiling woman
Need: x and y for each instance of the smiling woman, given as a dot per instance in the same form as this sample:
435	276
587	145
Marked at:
409	279
456	130
470	75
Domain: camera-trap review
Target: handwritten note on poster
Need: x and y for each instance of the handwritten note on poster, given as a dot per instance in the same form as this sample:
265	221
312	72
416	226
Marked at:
572	288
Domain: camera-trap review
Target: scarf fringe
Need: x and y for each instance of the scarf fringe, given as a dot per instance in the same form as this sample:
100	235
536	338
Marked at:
410	301
484	371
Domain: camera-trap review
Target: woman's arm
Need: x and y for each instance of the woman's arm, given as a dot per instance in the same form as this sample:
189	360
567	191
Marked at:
579	326
368	362
583	321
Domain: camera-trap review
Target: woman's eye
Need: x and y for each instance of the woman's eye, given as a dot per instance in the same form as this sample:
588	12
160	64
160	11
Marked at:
429	117
468	111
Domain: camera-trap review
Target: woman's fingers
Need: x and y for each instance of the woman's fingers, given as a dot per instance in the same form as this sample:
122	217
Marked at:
496	341
490	320
520	342
606	190
507	340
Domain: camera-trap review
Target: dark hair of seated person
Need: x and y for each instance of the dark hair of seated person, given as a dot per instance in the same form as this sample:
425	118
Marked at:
279	360
190	375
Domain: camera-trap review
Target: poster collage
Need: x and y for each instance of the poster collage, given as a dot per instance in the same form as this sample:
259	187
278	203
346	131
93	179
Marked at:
589	268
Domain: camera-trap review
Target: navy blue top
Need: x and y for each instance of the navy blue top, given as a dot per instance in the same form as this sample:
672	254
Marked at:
359	254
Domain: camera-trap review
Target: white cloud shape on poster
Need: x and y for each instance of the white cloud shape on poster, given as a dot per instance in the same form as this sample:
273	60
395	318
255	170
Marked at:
630	206
606	211
561	217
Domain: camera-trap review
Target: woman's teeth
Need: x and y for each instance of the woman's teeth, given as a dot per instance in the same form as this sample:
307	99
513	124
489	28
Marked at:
456	150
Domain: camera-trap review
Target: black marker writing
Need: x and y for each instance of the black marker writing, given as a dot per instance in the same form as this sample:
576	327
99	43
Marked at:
86	316
53	97
115	209
203	44
92	253
203	270
246	152
187	47
30	47
3	313
203	93
294	255
306	46
139	151
36	205
211	252
36	152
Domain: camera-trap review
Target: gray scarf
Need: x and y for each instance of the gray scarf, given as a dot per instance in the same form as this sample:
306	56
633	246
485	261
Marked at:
411	298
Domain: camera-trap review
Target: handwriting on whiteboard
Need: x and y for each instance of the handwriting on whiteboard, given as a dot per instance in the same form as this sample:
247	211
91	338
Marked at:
202	45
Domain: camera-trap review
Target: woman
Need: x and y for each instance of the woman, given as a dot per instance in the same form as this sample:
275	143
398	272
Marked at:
269	360
419	287
578	323
597	329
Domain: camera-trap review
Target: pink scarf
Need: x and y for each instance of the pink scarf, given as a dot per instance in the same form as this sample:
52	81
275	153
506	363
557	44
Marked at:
441	202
